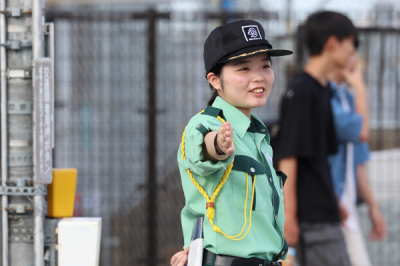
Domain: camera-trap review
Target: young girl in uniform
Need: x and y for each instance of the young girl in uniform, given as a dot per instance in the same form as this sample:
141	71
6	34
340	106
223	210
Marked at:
225	158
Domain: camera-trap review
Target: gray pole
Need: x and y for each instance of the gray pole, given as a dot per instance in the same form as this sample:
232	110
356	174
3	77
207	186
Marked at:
19	131
21	40
4	144
38	52
152	249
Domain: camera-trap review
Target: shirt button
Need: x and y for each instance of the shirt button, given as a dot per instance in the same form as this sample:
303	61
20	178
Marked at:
262	130
270	180
252	170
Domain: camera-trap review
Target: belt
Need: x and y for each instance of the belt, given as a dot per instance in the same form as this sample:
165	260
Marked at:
224	260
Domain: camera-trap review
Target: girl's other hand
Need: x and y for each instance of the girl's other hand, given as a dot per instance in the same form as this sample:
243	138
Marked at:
180	258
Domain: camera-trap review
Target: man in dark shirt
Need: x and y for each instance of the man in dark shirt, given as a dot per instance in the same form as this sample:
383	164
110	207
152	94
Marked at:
307	137
308	133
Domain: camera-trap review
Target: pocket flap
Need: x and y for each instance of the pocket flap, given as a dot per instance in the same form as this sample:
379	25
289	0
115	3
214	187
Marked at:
248	165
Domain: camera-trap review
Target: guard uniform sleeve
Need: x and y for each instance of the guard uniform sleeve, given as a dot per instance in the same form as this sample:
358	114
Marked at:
295	131
347	124
194	144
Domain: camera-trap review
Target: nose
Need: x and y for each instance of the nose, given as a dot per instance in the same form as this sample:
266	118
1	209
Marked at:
257	75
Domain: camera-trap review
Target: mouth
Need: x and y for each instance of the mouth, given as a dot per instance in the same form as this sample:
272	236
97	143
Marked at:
258	90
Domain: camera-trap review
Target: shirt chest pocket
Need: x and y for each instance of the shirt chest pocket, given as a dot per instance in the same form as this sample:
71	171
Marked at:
246	172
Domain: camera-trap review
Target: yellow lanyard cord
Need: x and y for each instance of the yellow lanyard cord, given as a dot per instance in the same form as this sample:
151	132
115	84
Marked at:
210	202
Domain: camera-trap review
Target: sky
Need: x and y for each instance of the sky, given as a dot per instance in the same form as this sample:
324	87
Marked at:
302	7
340	5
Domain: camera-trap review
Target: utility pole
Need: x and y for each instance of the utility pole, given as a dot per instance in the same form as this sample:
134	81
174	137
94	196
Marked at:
22	185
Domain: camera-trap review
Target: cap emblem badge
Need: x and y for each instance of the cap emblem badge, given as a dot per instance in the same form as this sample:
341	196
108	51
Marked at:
251	32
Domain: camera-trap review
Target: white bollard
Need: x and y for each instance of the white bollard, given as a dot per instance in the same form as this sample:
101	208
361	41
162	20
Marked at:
79	241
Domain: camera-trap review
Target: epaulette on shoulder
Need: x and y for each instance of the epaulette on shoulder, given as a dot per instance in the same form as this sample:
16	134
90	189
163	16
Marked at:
214	112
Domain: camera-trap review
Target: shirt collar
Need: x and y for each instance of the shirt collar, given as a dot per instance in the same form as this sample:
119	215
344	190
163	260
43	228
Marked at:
239	121
336	88
333	84
257	126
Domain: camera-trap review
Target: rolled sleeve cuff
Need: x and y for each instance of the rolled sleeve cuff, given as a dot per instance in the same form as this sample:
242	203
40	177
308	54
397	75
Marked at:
195	161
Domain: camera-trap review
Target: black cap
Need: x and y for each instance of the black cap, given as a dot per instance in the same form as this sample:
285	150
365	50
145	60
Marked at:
236	40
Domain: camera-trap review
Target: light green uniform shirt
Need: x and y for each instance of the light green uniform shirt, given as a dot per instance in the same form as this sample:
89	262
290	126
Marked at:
253	155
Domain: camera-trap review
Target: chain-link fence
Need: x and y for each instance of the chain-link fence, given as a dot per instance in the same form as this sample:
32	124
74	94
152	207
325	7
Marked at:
127	84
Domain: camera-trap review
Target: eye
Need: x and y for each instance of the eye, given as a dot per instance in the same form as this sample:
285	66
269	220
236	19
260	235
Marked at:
244	69
267	66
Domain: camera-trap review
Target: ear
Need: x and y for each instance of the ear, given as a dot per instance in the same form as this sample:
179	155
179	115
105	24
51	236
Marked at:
214	81
331	43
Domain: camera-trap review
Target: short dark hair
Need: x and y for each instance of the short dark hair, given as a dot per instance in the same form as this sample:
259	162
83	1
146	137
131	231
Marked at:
321	25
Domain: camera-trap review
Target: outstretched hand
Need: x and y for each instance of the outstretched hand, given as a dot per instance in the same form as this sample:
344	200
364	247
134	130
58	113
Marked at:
225	139
180	258
224	143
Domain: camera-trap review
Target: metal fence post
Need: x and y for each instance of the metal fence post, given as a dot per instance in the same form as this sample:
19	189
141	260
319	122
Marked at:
38	52
381	70
17	49
152	256
4	145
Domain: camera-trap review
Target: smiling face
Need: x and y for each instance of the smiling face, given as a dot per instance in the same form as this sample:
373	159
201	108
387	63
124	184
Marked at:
245	83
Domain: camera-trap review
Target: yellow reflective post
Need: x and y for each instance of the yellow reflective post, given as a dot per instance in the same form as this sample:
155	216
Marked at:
61	193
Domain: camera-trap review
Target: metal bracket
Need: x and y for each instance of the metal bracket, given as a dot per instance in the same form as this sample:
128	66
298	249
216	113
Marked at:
19	143
23	191
15	12
19	73
47	28
29	239
25	235
21	234
19	208
20	108
20	160
17	45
